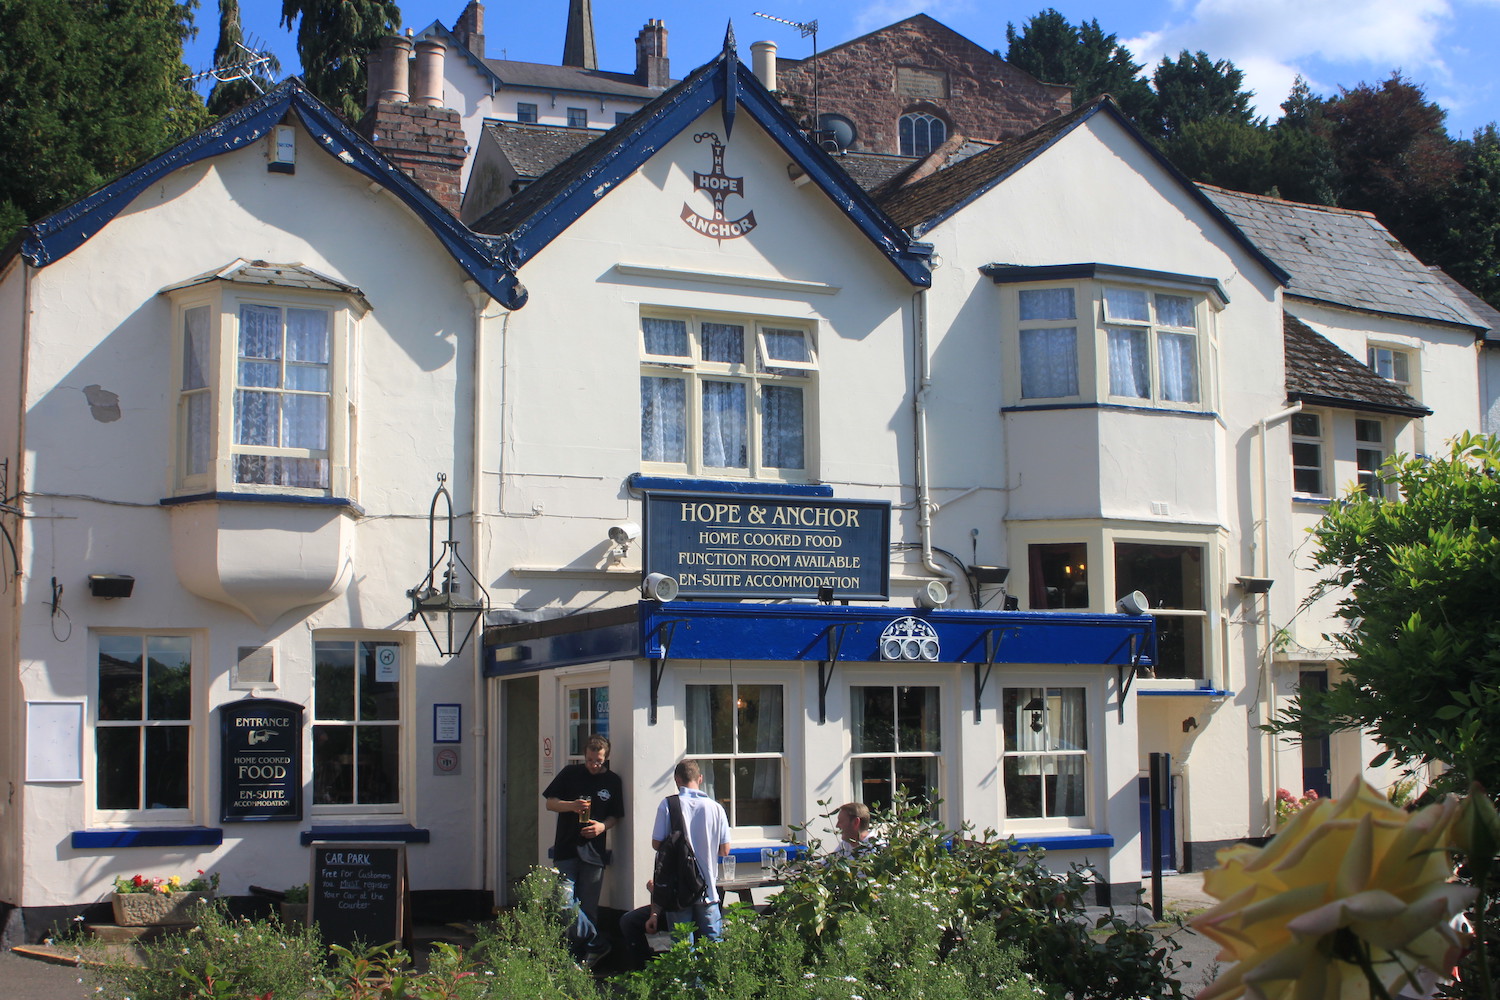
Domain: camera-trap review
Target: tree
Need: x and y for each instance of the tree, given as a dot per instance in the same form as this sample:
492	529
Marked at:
1196	88
87	90
233	90
334	41
1417	572
1051	48
1469	247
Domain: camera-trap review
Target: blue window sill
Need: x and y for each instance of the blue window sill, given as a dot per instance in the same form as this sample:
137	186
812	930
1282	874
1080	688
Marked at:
147	836
674	484
276	498
395	832
751	855
1185	693
1066	842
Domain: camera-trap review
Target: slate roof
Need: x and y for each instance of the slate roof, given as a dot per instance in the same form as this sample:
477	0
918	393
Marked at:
1320	373
526	223
1482	310
535	149
570	78
1342	257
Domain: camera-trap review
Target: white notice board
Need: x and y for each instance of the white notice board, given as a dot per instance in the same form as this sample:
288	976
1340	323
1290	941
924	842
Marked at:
54	741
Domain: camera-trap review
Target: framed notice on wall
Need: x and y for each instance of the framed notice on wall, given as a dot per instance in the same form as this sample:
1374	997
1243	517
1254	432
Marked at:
54	742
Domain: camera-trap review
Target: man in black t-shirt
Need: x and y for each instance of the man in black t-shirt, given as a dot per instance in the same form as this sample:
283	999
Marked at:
589	800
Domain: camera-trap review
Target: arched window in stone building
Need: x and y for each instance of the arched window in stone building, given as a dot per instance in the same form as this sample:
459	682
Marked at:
921	133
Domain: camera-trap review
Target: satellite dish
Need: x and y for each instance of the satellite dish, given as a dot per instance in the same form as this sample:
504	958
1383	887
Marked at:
836	132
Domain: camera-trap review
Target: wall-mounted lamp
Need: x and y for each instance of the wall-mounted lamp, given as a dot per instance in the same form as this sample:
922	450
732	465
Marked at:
1133	603
1254	584
438	597
659	587
992	575
111	585
1035	707
622	535
932	595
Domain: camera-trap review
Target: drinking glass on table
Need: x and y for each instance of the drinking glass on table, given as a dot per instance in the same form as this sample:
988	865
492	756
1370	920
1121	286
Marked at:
726	869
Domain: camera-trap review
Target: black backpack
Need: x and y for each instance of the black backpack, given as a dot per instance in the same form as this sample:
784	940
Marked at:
679	880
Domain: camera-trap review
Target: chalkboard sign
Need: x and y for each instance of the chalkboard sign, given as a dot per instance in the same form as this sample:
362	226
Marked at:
358	891
260	749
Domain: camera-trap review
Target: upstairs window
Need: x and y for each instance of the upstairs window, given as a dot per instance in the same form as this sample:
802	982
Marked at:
1391	364
525	112
921	133
1049	343
1153	345
1173	578
578	118
726	395
262	397
1307	454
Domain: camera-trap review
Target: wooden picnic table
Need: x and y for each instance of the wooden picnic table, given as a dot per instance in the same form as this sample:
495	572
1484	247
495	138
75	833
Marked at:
743	885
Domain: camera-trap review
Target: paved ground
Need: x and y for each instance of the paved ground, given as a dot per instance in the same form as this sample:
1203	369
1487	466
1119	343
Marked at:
36	973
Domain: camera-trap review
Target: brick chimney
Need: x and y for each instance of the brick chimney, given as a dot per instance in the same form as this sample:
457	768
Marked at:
651	66
425	140
470	28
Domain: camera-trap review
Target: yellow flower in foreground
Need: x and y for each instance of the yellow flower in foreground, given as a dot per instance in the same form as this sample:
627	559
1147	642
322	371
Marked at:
1347	877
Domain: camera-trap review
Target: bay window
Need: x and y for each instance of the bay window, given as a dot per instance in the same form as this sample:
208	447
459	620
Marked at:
1153	345
261	381
726	395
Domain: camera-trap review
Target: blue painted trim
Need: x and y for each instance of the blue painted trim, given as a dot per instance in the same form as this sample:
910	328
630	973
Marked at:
727	81
1313	501
1066	842
396	832
1010	274
279	498
803	633
1184	693
59	234
639	483
147	836
1123	407
751	855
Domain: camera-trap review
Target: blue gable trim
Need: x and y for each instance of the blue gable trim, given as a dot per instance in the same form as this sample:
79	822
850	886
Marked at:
59	234
727	82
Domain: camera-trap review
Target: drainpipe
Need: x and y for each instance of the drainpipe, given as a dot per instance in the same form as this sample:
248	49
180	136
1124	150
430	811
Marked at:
925	506
480	727
1260	561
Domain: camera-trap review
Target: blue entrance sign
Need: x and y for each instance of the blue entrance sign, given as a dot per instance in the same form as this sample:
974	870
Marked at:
770	547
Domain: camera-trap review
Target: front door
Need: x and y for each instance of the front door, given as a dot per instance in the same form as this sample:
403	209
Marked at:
1316	770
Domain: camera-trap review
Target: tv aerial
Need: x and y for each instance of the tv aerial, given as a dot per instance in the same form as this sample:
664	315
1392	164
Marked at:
823	137
248	63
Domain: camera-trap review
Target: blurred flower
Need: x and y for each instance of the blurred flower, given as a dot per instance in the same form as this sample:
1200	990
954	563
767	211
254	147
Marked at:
1349	884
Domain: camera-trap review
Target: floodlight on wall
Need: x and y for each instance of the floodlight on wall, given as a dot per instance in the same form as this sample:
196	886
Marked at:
991	575
1133	603
623	534
1254	584
438	598
659	587
932	594
111	585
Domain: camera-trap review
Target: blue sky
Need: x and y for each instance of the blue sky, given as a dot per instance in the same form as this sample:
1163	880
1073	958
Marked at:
1449	47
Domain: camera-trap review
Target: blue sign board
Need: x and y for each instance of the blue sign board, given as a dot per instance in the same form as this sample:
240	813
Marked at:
717	545
260	752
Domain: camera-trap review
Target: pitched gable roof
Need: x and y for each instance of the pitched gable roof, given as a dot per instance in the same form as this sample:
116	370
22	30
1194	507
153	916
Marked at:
525	224
1343	257
921	206
1320	373
64	231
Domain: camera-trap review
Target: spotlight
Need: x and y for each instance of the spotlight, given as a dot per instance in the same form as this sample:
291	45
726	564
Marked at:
1133	603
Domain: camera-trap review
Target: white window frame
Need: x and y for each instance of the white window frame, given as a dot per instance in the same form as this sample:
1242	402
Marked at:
1203	615
1392	362
574	737
934	757
1370	454
196	775
405	724
706	760
1093	324
1318	442
223	301
1090	753
756	372
573	114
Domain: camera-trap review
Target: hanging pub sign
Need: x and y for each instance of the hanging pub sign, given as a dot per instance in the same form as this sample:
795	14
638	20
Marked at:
717	185
769	547
260	747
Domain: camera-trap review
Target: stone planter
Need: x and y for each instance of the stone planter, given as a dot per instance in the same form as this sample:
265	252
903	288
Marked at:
154	909
294	914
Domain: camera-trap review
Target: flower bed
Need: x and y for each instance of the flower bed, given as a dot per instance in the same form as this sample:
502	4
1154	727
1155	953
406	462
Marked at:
154	909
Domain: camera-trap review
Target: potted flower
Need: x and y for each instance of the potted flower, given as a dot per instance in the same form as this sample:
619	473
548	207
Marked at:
294	905
143	902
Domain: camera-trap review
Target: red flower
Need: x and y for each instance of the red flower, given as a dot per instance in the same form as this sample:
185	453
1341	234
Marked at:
138	880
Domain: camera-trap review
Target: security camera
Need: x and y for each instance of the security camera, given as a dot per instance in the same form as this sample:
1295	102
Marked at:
624	533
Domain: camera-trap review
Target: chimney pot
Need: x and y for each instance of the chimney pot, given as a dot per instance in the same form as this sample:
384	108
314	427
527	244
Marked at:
763	59
427	88
395	54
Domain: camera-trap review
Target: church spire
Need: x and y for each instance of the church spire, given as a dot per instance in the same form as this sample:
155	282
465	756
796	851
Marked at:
578	46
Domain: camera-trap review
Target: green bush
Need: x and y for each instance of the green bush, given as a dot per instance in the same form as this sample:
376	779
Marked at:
222	956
